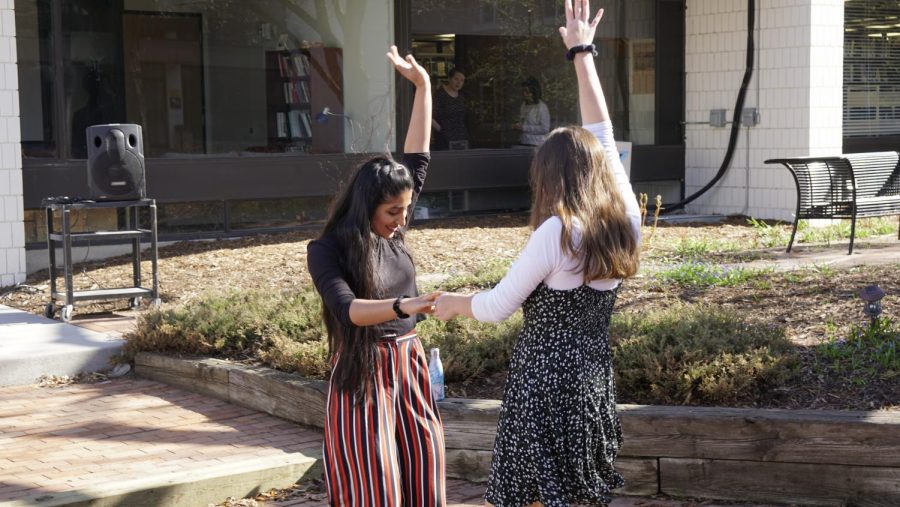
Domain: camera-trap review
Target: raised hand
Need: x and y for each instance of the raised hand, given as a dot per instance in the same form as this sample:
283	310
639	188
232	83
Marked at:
579	29
408	68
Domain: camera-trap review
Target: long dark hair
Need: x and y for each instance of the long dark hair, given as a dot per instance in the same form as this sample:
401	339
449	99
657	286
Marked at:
376	181
534	87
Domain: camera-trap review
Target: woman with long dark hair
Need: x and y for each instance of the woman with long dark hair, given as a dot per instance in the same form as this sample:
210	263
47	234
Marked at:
558	433
384	443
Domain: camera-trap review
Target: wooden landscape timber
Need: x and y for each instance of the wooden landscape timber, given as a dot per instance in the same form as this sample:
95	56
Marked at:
802	457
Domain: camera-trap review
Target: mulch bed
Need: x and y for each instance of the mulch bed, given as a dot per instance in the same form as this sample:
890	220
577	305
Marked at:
803	305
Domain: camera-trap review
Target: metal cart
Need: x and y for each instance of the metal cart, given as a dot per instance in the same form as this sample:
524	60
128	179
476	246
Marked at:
65	300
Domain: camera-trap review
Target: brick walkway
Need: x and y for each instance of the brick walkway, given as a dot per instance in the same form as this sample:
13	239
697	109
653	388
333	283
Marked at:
55	440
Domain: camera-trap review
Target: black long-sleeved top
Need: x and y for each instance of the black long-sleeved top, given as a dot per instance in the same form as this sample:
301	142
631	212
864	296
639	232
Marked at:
395	271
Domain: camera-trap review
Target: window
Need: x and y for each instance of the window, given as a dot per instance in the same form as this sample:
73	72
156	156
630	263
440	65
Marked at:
512	52
871	75
202	78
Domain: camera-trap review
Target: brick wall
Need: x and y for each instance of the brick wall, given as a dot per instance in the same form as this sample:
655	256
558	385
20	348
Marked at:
797	84
12	228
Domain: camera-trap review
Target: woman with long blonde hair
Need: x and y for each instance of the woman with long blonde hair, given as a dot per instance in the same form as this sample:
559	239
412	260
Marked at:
559	434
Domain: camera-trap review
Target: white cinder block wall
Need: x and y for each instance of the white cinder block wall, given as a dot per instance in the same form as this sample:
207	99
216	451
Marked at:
12	226
797	87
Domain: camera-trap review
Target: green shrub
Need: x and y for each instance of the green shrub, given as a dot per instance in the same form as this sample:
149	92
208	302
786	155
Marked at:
702	274
273	327
471	349
868	352
697	355
685	354
485	277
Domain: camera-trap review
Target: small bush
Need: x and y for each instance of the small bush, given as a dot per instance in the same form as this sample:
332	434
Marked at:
867	353
697	355
269	326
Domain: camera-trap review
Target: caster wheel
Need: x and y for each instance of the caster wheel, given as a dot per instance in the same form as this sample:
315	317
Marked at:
67	312
134	303
156	303
49	310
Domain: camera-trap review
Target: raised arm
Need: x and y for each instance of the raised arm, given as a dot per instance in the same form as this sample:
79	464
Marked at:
579	31
418	137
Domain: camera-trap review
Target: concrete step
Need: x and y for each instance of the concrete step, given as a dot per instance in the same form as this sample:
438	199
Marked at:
210	485
32	345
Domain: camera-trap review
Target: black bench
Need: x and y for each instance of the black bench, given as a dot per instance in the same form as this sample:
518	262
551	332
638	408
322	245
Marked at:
850	186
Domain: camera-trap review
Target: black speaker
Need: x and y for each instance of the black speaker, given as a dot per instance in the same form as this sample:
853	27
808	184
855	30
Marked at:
115	162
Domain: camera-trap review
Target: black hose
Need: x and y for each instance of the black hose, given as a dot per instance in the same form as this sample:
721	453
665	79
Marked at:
735	120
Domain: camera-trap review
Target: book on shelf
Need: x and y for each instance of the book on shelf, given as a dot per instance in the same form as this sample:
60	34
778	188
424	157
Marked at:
281	124
293	65
299	122
307	126
301	64
304	91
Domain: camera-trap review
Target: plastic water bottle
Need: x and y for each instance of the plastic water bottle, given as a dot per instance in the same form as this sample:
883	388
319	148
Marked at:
436	372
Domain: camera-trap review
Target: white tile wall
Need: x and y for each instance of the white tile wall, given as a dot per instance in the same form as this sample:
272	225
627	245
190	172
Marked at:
12	227
797	84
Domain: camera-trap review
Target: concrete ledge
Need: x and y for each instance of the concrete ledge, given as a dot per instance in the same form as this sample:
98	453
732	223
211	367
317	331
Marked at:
32	345
783	456
211	485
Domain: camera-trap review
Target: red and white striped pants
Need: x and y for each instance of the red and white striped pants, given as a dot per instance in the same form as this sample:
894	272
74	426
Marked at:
388	450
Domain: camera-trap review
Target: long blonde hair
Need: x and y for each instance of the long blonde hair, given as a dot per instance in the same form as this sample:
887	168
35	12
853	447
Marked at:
572	179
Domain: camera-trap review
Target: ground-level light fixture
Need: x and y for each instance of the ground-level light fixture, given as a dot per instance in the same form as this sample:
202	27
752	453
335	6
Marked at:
871	296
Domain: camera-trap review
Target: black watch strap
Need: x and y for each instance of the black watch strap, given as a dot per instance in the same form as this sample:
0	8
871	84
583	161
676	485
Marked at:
581	48
397	310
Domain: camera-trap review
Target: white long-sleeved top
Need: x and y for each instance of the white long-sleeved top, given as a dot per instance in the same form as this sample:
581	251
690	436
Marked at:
535	122
543	260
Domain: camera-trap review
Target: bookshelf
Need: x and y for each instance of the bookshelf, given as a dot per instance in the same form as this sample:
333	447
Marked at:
300	84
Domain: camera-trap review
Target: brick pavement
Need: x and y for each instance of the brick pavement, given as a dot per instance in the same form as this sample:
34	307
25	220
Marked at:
56	440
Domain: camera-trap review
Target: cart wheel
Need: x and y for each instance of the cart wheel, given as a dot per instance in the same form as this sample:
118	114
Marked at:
156	303
67	313
49	310
134	303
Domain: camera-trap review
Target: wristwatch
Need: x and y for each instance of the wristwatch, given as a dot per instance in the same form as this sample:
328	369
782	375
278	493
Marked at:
397	310
581	48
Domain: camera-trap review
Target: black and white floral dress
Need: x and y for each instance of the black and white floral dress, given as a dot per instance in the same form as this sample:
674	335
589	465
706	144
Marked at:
559	434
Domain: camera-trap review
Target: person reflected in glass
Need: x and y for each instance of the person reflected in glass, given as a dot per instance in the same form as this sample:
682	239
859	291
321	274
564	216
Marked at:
558	433
449	120
534	117
97	110
383	439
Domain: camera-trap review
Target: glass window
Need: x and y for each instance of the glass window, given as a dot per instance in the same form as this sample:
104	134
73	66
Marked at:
207	77
187	217
871	77
34	47
276	213
511	84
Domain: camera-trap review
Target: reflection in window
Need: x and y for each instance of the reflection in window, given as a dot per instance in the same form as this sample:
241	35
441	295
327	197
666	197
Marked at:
871	76
202	77
83	220
278	213
34	46
187	217
517	47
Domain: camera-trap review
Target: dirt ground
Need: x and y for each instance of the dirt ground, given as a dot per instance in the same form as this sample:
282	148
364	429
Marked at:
805	304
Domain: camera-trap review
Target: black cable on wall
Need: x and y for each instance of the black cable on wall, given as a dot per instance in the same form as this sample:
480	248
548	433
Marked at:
735	119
